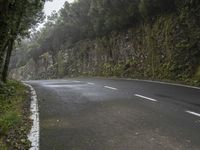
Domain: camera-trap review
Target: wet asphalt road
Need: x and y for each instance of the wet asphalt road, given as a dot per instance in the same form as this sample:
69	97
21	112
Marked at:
117	114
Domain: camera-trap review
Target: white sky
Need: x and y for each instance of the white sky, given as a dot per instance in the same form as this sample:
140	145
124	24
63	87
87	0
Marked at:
49	7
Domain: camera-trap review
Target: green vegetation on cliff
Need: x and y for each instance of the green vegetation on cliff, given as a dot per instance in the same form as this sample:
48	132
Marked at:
157	39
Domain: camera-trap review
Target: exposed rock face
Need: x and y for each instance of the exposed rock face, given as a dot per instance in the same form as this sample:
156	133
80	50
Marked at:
160	50
41	69
26	72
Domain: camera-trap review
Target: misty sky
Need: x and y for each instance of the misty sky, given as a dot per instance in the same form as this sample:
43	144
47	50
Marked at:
55	5
49	7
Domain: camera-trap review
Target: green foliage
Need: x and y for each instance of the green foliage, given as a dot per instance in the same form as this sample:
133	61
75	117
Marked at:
107	69
197	77
151	39
149	9
12	117
18	17
8	120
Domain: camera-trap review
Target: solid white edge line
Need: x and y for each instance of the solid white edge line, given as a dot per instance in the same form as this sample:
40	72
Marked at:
90	83
33	136
193	113
151	99
112	88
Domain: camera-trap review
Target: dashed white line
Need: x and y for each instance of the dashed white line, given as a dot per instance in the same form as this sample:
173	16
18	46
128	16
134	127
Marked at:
151	99
193	113
77	81
90	83
112	88
33	136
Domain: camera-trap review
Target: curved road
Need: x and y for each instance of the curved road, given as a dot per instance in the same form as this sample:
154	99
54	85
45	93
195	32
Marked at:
117	114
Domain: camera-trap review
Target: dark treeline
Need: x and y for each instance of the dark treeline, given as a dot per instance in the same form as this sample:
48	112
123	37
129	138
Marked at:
164	37
88	19
16	18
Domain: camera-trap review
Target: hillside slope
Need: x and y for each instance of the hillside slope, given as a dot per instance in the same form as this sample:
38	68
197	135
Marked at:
165	48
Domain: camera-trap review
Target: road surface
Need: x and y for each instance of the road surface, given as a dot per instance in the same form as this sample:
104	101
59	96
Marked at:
117	114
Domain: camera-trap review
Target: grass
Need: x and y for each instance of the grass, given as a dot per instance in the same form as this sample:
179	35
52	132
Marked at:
14	114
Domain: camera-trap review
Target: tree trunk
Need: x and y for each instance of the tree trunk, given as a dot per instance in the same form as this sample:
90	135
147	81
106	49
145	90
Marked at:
10	42
4	31
4	27
54	56
2	56
7	60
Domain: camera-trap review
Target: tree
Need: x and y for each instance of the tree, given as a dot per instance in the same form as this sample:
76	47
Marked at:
149	9
18	17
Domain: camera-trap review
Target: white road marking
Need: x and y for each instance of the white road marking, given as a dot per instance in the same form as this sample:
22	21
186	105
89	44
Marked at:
154	81
33	136
151	99
193	113
112	88
90	83
77	81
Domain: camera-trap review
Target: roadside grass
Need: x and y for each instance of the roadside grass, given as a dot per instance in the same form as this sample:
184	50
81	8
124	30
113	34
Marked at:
14	116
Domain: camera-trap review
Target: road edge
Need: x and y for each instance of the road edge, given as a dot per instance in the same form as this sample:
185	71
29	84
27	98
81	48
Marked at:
167	83
150	81
33	135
